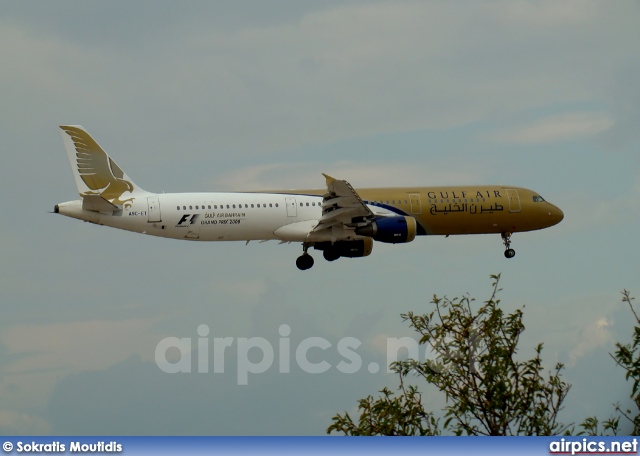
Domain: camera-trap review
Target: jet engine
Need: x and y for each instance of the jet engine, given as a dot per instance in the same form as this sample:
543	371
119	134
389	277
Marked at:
394	230
351	249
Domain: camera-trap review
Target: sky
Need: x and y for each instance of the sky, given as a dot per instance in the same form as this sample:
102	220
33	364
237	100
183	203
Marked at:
250	95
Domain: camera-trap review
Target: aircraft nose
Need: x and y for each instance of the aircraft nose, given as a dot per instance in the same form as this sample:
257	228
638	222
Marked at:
555	214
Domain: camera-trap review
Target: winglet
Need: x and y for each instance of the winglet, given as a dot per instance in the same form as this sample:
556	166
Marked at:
340	205
329	179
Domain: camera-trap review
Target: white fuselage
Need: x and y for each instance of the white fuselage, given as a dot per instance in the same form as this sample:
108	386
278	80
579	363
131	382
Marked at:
211	216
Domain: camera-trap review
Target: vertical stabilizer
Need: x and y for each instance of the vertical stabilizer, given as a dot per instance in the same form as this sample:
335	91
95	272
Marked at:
94	171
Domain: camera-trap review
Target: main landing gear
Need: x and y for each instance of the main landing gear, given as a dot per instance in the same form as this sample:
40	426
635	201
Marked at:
506	240
305	261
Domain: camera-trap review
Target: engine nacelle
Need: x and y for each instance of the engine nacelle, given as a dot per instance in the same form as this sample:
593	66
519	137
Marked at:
350	249
394	230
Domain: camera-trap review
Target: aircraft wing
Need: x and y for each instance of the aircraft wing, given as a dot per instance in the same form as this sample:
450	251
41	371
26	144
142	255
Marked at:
341	206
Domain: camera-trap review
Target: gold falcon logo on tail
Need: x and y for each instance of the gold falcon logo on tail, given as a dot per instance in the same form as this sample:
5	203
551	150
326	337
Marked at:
99	174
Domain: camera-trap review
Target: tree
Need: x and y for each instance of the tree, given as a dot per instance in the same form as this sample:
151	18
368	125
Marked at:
390	414
628	357
488	391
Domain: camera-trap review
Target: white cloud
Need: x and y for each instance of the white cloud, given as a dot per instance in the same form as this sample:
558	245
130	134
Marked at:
244	291
77	345
308	176
340	72
585	210
165	86
547	13
43	354
596	334
562	127
22	423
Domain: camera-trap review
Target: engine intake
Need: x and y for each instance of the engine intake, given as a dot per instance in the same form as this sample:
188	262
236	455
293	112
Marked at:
394	230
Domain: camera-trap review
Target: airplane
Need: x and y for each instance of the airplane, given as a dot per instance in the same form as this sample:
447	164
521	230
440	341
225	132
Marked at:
339	220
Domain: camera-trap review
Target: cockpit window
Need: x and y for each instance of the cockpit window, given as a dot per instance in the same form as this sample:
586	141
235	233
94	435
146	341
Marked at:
538	199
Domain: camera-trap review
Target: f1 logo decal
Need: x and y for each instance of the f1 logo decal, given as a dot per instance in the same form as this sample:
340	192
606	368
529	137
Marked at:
187	219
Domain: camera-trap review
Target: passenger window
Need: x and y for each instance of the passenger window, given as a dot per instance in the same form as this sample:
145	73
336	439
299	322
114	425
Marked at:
276	204
190	208
270	205
178	207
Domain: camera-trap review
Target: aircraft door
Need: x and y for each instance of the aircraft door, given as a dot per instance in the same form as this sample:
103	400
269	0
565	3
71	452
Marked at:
514	200
416	206
154	209
292	210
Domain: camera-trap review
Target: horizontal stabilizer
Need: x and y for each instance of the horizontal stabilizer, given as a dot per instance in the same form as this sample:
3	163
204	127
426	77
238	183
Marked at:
97	203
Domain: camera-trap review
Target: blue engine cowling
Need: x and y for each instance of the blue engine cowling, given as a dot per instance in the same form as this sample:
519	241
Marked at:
394	230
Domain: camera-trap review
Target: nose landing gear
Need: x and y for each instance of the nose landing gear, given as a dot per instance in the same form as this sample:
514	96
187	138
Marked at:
506	240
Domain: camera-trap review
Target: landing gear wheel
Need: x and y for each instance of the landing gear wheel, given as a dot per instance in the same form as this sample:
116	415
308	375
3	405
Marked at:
506	240
330	255
304	262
